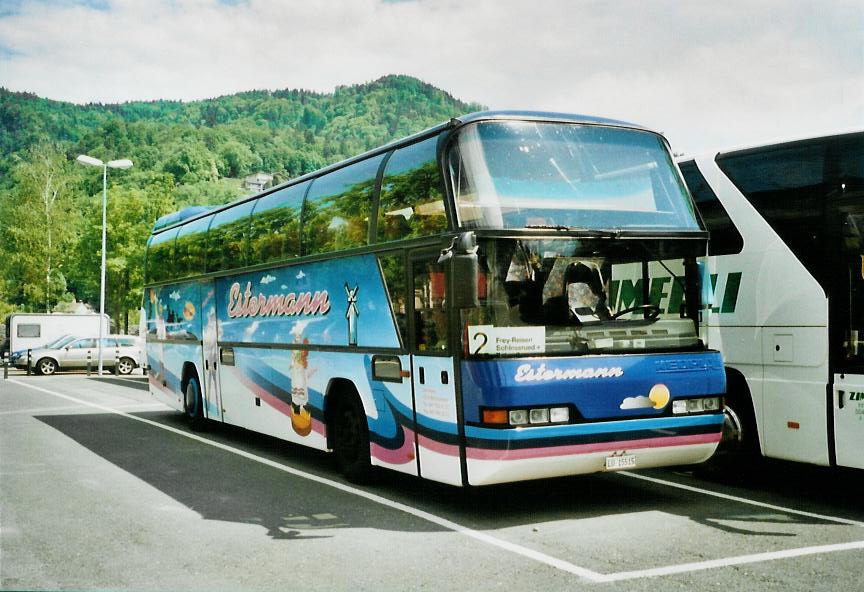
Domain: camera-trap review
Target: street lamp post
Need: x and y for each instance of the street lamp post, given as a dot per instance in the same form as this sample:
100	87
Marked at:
113	164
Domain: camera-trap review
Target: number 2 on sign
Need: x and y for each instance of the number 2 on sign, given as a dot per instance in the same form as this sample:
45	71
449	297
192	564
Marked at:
483	339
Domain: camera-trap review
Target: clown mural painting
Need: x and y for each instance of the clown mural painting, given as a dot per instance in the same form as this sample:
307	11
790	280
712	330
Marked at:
301	419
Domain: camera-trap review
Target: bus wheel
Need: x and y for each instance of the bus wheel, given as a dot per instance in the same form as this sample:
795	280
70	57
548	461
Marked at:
739	444
193	404
351	440
46	366
126	366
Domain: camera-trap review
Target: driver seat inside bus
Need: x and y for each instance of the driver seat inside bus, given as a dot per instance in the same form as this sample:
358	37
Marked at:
582	299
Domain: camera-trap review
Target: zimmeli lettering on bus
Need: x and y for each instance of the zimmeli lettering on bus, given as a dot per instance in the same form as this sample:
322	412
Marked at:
669	294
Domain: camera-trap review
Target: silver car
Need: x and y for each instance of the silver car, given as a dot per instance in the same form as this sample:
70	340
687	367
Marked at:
124	351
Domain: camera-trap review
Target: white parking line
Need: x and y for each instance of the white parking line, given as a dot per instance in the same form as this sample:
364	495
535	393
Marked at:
741	500
729	561
127	406
560	564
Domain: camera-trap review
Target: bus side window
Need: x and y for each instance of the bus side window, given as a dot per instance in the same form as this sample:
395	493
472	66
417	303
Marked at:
412	201
430	317
160	256
725	238
780	180
226	239
190	250
275	230
393	272
337	208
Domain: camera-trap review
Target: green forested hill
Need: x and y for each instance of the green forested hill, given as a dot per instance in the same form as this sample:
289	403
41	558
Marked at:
183	153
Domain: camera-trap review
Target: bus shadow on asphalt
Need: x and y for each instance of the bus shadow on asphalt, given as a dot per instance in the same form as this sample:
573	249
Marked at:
221	485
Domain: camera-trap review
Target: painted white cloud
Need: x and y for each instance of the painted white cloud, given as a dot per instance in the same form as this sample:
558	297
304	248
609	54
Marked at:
267	279
249	331
707	74
175	295
640	402
300	275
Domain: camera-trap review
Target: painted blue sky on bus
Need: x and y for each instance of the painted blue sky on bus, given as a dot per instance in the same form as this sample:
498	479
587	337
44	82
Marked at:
308	304
707	74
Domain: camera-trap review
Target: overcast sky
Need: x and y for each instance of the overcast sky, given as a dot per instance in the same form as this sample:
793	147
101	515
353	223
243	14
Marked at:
710	74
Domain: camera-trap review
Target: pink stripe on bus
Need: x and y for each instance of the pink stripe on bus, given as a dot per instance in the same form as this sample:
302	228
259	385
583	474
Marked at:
400	456
517	454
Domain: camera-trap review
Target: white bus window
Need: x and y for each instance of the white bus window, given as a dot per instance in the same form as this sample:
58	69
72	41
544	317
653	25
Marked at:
725	238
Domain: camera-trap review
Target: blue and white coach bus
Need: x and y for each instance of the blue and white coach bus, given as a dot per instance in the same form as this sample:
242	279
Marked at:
477	303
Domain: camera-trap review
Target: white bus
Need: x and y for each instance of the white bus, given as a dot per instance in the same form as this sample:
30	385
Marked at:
786	258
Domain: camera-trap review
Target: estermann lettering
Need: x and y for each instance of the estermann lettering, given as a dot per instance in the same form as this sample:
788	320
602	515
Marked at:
290	304
540	373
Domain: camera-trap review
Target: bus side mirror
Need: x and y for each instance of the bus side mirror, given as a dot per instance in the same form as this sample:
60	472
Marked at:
464	270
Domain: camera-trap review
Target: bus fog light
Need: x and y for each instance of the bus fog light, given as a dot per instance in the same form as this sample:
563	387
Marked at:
539	415
518	416
679	407
559	415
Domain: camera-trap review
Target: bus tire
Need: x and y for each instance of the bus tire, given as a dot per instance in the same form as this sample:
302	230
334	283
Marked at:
126	366
193	404
46	366
351	439
739	446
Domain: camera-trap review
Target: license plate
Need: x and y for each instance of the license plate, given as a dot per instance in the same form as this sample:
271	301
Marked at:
615	463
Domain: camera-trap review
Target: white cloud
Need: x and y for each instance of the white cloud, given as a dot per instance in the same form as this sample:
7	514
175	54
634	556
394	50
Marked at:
706	73
249	331
639	402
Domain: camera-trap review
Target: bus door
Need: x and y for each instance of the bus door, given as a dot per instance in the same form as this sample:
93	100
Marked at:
432	371
211	387
847	337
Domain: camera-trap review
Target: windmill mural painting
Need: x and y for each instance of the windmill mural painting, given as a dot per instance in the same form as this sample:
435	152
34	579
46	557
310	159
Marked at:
352	313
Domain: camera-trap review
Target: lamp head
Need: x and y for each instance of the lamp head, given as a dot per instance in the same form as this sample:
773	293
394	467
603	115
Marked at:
84	159
119	164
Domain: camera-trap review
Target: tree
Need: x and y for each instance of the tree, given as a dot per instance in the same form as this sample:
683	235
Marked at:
237	159
189	162
35	238
131	213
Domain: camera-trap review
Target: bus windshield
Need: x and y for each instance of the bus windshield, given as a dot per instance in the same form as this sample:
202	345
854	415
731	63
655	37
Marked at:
525	174
575	296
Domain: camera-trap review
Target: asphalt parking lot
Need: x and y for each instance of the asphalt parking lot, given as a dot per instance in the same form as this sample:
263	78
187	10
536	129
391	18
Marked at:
103	488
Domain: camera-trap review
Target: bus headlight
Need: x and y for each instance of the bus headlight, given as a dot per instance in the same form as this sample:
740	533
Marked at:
539	415
700	405
559	415
536	416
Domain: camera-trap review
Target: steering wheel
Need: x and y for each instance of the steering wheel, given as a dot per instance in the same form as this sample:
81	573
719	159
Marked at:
653	311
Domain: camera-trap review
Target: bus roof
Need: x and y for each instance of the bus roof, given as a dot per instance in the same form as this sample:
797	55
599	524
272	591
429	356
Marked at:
771	144
176	218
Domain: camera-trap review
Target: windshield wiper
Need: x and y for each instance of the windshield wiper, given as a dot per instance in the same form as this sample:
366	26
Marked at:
581	229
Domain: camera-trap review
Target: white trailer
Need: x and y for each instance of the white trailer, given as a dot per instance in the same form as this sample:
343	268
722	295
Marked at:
33	330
